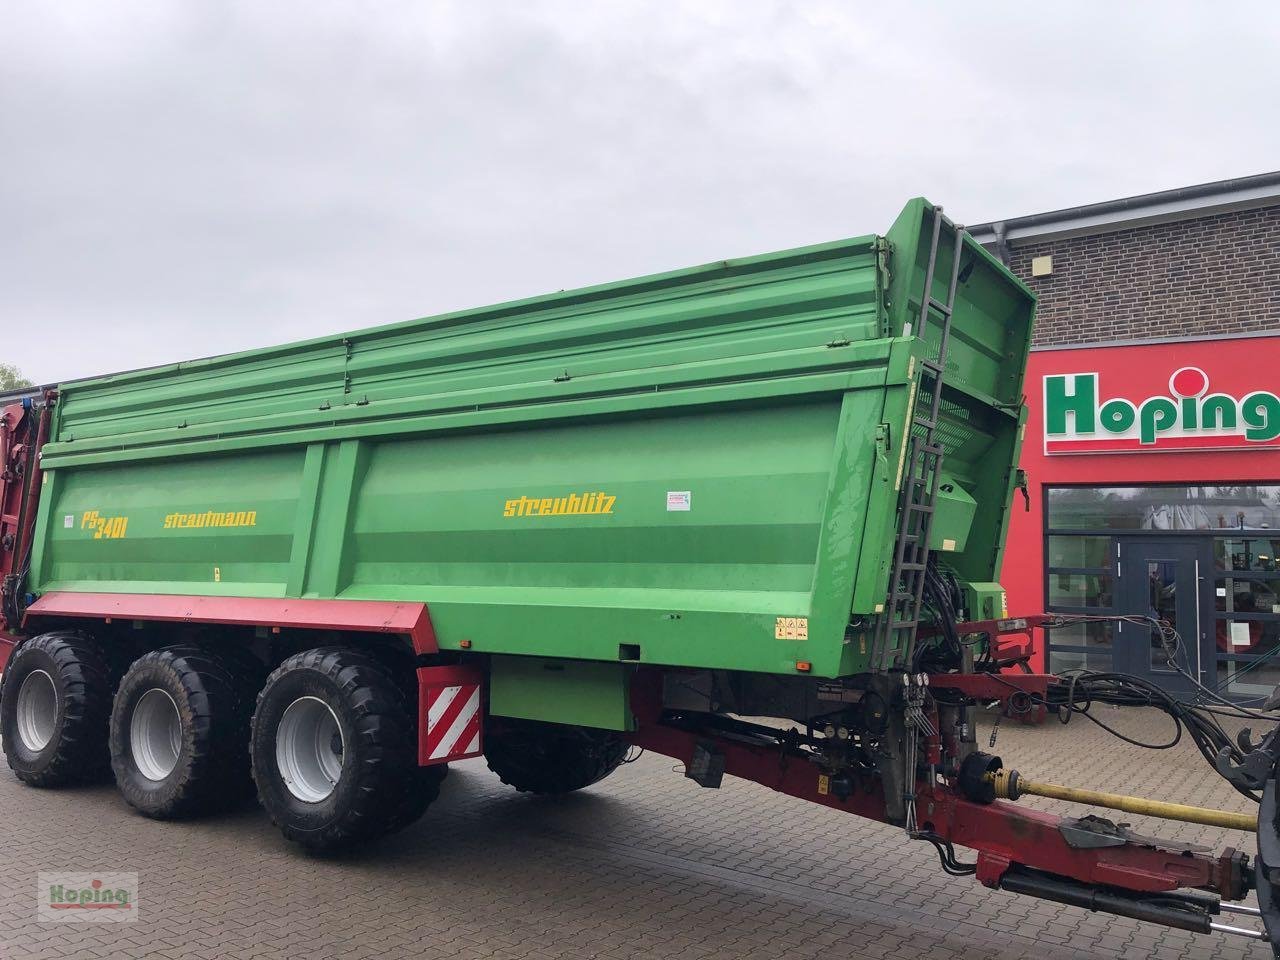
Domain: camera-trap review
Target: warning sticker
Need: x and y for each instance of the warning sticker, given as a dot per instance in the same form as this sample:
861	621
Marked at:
679	501
69	520
791	628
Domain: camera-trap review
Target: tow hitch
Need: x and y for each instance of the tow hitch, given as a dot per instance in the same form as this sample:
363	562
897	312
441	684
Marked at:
1187	909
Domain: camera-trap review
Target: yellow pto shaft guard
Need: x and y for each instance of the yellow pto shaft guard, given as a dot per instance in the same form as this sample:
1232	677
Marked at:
1010	785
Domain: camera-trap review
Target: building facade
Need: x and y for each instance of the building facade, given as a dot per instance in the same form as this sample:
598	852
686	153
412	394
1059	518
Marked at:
1152	444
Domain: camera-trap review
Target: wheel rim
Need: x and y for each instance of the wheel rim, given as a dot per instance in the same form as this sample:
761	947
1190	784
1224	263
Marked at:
309	749
155	734
37	710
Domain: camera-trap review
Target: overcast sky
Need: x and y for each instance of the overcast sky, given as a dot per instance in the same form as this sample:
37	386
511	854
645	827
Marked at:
181	179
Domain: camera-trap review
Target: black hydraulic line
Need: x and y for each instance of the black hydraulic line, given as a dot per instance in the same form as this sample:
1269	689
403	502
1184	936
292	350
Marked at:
951	865
742	730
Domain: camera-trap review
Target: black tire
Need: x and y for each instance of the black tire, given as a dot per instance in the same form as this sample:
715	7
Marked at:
425	782
76	751
551	758
374	784
248	675
209	726
423	790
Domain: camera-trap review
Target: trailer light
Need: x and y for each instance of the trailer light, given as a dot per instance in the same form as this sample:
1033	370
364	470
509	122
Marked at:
465	644
804	666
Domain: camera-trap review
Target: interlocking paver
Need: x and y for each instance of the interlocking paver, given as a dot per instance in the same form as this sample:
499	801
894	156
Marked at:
643	865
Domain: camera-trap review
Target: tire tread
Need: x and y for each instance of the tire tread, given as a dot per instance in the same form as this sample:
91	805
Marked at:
81	755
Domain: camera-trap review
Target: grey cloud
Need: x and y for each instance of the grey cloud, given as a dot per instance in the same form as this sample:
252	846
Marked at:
187	179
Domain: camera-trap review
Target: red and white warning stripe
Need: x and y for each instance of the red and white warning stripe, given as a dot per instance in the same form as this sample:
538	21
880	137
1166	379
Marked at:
452	715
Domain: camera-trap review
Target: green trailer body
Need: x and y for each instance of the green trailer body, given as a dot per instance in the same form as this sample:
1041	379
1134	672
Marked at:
694	469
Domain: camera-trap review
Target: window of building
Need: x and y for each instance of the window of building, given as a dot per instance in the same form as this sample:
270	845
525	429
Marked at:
1239	507
1239	528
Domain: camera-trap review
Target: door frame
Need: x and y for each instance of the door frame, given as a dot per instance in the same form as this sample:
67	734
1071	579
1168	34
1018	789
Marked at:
1131	647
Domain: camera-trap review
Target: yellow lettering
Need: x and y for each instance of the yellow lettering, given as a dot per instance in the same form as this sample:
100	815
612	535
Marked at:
573	504
210	518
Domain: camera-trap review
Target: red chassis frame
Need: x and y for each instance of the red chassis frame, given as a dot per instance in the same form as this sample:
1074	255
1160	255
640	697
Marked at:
360	616
1005	835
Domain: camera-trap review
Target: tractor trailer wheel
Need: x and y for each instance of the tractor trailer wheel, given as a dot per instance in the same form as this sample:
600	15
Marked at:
180	733
551	758
54	706
334	750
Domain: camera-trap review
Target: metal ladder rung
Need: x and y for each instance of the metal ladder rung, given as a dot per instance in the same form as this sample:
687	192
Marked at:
932	448
941	307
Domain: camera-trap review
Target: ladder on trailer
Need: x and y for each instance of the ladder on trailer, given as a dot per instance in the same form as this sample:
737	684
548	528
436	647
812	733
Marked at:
922	466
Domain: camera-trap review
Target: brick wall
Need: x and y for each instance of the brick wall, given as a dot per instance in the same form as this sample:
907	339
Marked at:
1214	274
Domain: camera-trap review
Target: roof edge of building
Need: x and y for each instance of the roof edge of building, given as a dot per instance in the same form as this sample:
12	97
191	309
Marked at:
1221	196
1155	341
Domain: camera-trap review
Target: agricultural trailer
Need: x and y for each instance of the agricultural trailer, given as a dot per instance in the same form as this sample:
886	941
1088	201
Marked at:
749	515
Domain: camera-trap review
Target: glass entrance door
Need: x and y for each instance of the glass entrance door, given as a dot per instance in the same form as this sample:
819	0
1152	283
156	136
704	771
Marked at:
1167	578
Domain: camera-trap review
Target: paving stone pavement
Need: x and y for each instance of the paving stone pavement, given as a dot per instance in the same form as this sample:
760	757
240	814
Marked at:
643	865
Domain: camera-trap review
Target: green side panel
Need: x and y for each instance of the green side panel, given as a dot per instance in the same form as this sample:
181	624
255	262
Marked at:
698	586
238	514
561	691
694	469
752	327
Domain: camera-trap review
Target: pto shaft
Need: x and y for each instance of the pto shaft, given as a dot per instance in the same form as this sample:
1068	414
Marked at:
1010	785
